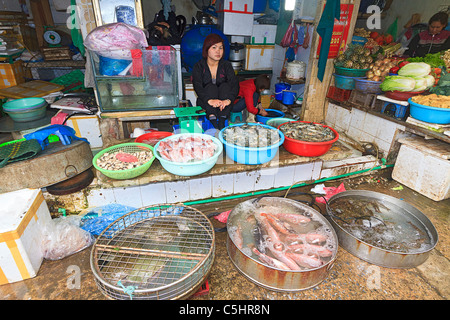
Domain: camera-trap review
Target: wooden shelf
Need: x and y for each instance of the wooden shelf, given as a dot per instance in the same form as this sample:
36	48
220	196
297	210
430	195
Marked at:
290	81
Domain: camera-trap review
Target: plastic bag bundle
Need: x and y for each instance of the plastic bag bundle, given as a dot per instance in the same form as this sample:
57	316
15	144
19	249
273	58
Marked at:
115	40
64	237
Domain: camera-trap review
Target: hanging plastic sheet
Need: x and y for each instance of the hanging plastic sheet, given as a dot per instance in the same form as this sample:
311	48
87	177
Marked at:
331	11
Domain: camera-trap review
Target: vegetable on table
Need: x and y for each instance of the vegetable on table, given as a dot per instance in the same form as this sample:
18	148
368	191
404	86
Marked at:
398	83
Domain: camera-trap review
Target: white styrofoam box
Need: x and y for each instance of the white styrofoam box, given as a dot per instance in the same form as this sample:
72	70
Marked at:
235	5
263	34
240	39
425	173
23	215
87	126
258	57
233	23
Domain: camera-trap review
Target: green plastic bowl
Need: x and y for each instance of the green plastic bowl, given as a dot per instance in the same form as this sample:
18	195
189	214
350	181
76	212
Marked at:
129	173
28	115
275	122
24	104
350	72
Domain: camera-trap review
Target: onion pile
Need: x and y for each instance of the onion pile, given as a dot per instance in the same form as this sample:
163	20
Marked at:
380	69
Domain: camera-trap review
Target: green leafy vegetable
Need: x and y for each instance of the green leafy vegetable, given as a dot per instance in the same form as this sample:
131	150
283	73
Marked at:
415	69
433	59
398	83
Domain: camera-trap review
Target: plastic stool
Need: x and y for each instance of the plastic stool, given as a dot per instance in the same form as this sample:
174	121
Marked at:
235	115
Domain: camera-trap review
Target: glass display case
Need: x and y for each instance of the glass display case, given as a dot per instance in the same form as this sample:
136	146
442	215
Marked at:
145	79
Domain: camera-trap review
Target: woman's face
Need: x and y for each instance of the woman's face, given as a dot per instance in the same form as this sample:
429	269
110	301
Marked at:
435	27
215	52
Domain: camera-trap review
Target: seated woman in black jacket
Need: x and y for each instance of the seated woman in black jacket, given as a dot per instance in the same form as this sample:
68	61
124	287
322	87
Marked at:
215	82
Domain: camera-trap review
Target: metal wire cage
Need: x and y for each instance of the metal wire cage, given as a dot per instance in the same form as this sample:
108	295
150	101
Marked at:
161	252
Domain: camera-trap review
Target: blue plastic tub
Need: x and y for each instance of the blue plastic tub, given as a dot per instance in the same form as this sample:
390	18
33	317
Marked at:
189	168
289	97
429	114
345	82
274	112
251	156
279	88
368	86
259	6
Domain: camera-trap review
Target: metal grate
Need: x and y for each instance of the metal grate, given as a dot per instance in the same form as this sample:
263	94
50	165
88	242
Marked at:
153	253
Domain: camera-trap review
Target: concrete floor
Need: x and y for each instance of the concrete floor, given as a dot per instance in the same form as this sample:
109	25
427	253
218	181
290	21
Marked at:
350	278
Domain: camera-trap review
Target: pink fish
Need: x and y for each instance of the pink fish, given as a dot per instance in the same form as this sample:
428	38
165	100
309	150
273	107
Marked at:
312	238
276	247
304	261
310	249
270	261
292	218
278	225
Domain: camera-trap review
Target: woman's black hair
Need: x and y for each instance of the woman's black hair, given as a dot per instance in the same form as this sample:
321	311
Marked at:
441	16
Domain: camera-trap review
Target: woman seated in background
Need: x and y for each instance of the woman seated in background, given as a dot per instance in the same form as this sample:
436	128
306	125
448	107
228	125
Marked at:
215	82
249	93
433	40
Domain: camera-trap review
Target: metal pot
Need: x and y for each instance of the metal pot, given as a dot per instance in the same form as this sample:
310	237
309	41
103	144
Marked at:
262	274
398	214
237	52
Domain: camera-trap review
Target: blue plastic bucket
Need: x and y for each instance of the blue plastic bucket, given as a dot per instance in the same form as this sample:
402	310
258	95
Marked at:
247	155
344	82
259	6
288	97
273	113
279	88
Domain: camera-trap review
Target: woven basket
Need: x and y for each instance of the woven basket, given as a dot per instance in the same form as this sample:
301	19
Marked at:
128	148
19	150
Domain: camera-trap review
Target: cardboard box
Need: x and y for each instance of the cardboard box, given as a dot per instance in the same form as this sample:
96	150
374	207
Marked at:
23	215
423	165
263	34
259	57
11	74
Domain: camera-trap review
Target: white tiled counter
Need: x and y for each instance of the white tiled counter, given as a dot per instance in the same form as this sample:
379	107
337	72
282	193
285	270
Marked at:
365	127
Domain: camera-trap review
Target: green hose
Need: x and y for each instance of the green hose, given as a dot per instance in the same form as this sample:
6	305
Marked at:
255	193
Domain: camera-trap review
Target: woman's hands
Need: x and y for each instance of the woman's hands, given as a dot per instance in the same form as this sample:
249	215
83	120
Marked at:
221	104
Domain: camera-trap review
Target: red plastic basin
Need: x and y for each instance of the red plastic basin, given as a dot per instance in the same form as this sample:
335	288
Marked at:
306	148
152	138
401	95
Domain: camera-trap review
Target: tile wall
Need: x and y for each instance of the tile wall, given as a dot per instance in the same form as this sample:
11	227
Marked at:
364	127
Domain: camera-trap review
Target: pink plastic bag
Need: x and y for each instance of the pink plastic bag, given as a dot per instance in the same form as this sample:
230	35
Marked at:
329	192
115	40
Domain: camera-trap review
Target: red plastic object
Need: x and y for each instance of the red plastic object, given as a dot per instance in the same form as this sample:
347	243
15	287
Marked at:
338	94
400	95
152	138
306	148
